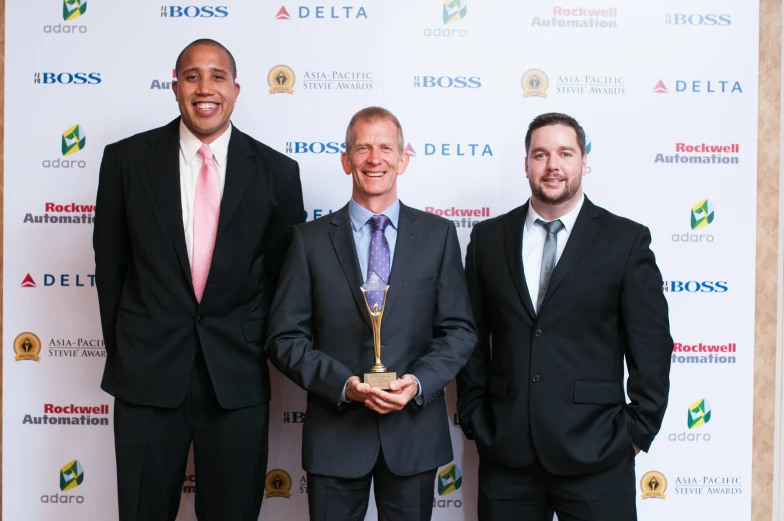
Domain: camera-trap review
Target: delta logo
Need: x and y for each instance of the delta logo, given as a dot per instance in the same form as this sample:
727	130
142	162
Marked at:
701	154
578	18
702	214
66	78
701	354
163	84
69	213
72	9
697	19
62	280
461	217
449	480
701	87
699	413
452	150
333	12
452	12
71	476
315	147
447	82
86	416
194	11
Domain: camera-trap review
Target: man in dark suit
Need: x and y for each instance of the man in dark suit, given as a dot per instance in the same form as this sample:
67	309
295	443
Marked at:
566	290
192	222
321	336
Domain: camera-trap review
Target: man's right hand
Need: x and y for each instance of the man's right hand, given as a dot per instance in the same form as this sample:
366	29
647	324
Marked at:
356	391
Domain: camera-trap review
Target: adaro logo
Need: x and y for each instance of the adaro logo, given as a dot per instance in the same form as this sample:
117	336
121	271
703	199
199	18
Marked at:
277	484
73	140
27	346
74	9
282	14
71	476
449	480
454	11
699	414
701	214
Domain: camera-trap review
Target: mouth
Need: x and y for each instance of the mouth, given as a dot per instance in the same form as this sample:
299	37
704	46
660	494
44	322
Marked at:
552	181
206	108
374	174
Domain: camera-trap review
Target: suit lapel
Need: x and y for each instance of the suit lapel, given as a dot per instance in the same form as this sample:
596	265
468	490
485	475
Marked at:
406	238
513	243
163	169
346	251
585	228
240	171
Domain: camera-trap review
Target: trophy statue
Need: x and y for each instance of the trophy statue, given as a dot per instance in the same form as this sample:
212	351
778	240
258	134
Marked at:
375	290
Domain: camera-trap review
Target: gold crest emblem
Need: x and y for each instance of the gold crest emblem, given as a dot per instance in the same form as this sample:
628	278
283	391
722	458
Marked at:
535	83
281	80
653	484
27	346
277	484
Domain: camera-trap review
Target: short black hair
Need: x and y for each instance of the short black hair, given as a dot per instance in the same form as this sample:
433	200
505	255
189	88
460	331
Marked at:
211	43
555	118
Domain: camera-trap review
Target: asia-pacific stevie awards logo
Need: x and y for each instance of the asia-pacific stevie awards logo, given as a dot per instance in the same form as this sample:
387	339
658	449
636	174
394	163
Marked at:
194	11
653	485
277	484
27	346
73	141
448	480
281	79
699	415
453	12
320	12
579	18
702	215
536	83
71	476
72	9
87	416
701	87
163	84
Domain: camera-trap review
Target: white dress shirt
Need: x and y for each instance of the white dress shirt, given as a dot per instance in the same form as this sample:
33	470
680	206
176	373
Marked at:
534	236
190	165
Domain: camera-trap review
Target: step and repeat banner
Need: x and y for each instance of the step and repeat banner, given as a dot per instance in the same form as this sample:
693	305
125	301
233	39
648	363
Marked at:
666	91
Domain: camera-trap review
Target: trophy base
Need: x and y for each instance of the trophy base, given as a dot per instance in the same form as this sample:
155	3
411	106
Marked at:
380	380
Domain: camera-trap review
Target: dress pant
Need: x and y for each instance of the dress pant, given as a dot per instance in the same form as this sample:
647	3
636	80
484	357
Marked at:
230	455
531	494
398	498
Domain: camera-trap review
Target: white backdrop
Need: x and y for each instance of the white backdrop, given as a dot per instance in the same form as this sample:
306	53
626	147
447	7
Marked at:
651	82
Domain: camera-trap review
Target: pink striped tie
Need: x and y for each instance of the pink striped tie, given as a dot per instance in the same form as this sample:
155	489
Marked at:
205	220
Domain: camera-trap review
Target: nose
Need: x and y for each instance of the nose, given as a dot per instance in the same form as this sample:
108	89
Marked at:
375	156
205	86
553	163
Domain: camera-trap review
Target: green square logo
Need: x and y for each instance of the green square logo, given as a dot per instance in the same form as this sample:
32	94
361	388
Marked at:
454	11
73	9
71	475
449	480
699	414
73	140
701	214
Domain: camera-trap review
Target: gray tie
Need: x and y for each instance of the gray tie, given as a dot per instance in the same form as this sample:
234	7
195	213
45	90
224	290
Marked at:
548	257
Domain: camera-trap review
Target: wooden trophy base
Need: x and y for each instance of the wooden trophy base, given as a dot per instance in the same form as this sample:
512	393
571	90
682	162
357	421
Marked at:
380	380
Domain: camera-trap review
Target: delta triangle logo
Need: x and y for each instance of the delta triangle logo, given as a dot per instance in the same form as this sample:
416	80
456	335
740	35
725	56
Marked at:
282	14
28	282
409	150
660	88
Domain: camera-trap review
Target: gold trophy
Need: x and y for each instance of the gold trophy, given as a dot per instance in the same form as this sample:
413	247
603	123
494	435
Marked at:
377	376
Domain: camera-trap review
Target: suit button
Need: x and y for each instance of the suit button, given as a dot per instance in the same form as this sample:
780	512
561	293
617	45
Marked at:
201	320
535	378
538	332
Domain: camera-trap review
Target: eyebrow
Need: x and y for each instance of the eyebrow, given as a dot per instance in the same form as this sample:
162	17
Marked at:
196	69
542	149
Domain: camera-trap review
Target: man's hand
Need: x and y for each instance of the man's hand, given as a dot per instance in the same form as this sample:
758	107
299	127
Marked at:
401	391
356	391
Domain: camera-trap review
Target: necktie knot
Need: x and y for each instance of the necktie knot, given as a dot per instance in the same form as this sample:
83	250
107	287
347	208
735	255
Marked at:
379	222
551	227
206	153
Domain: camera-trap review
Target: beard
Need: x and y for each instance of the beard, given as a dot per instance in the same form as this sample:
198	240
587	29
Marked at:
567	192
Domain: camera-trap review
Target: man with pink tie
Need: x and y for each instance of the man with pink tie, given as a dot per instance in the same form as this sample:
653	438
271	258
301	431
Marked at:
192	223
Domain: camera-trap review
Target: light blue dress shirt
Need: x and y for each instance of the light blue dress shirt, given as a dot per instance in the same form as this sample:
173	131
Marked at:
362	231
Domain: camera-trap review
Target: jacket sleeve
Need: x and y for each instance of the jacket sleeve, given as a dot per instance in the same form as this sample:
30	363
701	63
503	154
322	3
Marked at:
453	325
645	320
473	379
290	332
111	243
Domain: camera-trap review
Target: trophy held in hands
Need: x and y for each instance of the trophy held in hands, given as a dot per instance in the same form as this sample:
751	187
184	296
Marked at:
375	294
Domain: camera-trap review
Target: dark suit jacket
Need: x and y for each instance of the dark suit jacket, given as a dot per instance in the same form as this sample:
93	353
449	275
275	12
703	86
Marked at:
152	323
320	335
551	385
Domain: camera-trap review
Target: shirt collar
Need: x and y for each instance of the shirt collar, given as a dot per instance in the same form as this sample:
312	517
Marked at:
190	144
360	215
567	220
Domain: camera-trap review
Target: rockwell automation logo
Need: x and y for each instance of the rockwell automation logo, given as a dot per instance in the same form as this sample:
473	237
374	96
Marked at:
79	415
67	213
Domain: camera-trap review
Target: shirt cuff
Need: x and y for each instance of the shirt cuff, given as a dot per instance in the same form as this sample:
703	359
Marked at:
419	399
343	398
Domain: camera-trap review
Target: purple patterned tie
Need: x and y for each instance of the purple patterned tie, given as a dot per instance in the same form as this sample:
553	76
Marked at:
379	258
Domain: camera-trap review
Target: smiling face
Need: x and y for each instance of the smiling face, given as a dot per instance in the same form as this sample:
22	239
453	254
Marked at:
555	167
205	91
374	162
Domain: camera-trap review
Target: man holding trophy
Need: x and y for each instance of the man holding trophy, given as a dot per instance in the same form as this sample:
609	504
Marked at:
373	263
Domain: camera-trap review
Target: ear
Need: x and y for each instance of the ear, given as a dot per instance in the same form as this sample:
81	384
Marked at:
403	163
526	167
585	164
346	162
175	84
236	90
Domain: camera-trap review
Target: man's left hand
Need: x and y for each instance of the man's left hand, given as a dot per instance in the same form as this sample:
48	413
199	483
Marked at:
401	391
